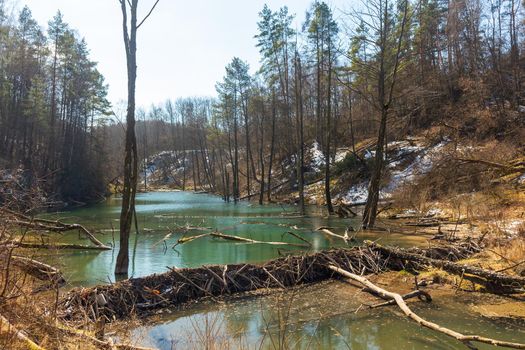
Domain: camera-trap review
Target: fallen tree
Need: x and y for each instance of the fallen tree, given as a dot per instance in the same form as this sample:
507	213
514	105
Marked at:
57	246
418	259
22	220
241	240
37	269
465	339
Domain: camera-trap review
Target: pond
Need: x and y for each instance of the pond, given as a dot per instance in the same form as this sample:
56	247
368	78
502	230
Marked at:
321	316
314	317
159	213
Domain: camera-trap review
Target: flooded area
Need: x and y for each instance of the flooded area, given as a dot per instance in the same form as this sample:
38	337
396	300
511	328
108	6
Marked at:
160	213
321	316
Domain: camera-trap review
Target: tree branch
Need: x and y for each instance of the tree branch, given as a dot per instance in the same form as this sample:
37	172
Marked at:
149	14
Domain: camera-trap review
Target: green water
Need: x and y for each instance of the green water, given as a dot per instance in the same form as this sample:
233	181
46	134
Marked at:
319	317
161	212
315	317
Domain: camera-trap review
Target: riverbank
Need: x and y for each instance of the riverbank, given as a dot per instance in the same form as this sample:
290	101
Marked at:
180	210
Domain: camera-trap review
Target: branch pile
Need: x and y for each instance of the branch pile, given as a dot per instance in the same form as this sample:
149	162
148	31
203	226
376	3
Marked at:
178	286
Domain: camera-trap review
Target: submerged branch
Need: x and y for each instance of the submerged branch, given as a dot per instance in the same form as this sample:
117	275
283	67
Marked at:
465	339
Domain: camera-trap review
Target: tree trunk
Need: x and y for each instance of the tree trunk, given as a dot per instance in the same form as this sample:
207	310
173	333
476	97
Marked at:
300	131
130	158
328	196
272	148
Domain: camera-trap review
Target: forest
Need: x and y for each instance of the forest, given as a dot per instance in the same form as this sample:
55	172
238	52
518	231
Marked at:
375	148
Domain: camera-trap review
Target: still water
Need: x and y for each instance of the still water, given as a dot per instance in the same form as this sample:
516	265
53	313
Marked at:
161	213
314	317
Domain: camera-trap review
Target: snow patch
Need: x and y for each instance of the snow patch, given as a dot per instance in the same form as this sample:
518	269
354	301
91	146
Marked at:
356	194
513	227
421	165
316	156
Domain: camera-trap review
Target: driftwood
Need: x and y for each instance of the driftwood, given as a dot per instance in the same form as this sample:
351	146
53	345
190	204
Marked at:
465	339
50	225
327	231
236	239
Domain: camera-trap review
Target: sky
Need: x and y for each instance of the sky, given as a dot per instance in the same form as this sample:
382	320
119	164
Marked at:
182	48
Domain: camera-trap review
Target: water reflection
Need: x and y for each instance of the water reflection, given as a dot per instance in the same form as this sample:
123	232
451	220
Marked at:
315	317
159	211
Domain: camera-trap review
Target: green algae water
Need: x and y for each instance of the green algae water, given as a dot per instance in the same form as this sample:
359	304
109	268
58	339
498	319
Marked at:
163	213
314	317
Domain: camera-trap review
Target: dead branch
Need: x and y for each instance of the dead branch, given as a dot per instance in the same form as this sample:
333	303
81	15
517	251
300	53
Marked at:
494	281
421	295
465	339
326	231
50	225
299	237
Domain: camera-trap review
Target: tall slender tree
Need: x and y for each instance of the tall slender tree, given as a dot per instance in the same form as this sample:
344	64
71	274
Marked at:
130	154
322	34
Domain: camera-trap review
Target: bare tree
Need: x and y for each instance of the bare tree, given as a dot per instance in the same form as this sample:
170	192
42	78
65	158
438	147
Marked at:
130	153
387	69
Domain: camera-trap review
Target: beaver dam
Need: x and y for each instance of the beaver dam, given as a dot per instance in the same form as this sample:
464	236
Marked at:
270	264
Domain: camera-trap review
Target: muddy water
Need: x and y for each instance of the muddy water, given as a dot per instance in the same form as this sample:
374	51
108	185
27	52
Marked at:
315	317
318	317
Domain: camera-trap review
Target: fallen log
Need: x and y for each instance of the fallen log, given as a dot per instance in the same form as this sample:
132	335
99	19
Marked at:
60	227
493	281
39	270
252	241
236	239
50	225
465	339
58	246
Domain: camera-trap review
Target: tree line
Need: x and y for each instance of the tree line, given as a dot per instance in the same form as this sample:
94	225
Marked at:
383	70
380	71
52	99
